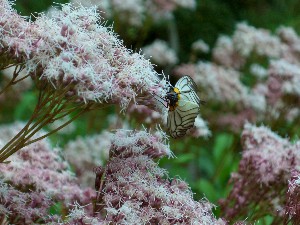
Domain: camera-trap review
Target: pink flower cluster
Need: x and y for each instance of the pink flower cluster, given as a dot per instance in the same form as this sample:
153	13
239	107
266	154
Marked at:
136	191
73	51
160	53
292	207
264	171
34	179
16	36
274	91
247	40
21	207
135	12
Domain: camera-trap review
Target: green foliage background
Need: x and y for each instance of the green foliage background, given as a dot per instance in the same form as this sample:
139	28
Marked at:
205	164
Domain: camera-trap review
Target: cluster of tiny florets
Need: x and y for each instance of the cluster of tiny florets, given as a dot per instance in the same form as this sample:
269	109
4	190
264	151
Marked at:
102	69
160	53
137	191
136	12
274	90
73	51
292	206
266	167
16	36
38	176
126	143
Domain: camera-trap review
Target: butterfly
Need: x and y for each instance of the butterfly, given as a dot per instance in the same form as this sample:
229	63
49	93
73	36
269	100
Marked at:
184	104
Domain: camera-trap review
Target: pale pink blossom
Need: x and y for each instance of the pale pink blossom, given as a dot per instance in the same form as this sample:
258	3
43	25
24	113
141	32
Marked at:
224	53
289	37
222	84
75	59
16	36
200	46
189	4
292	207
264	170
100	70
135	190
258	71
200	128
38	176
77	215
103	69
22	207
160	53
135	12
287	74
188	69
248	39
131	11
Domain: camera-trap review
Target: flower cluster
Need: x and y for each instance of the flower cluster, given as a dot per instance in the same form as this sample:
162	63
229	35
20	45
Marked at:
100	70
160	53
273	92
77	215
20	207
246	40
264	171
135	190
200	46
77	64
35	179
72	49
292	207
136	12
16	36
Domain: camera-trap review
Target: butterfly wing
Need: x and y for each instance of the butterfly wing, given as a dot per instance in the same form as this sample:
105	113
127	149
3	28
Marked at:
179	121
188	90
183	117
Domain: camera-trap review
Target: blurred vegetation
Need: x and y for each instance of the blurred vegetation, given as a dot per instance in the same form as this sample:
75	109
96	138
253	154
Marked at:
205	164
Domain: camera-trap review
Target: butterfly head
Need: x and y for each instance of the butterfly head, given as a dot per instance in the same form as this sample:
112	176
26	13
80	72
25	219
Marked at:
172	98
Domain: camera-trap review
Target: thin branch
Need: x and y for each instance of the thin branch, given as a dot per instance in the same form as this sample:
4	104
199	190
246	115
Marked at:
57	129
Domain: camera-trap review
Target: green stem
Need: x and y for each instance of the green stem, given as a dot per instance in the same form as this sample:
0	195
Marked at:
57	129
16	72
23	78
47	116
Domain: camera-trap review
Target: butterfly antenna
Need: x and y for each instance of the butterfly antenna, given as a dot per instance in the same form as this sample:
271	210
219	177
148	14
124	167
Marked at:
159	98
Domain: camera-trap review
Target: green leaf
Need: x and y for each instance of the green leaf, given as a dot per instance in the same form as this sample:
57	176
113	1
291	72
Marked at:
222	143
185	158
206	166
56	209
